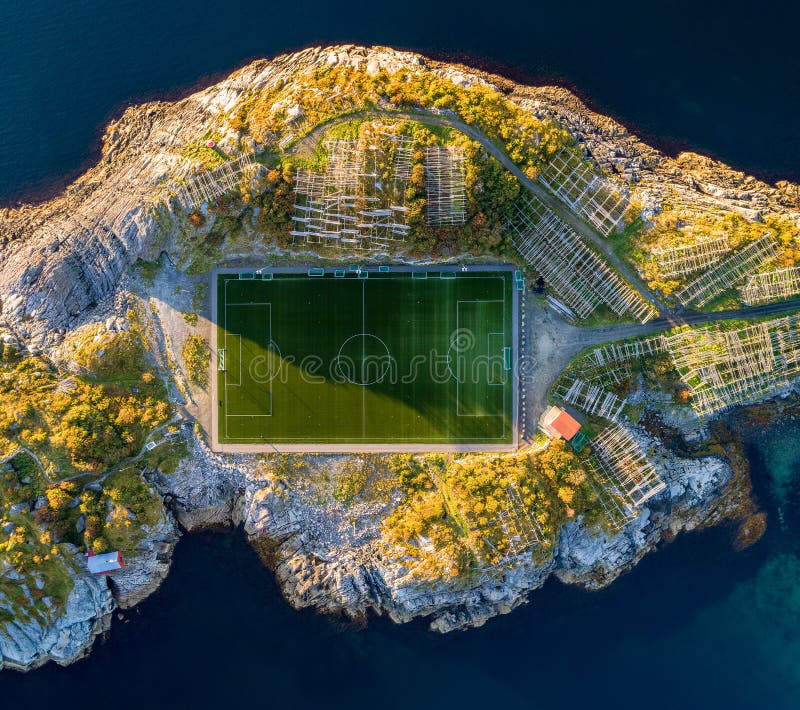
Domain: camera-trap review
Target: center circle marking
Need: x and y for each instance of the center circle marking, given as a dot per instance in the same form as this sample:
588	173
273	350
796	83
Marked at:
366	348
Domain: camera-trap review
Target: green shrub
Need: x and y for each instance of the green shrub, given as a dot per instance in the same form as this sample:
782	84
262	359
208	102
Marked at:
197	358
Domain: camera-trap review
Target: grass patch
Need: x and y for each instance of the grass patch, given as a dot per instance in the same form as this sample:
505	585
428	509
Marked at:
351	479
84	421
147	271
31	552
133	504
166	456
202	153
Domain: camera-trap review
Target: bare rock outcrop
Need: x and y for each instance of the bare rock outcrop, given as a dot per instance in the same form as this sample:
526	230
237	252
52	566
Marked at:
68	636
137	581
698	494
688	180
205	490
323	559
340	575
65	267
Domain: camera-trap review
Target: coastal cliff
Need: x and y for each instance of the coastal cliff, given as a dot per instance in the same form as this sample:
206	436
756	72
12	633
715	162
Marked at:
75	265
66	634
29	643
331	557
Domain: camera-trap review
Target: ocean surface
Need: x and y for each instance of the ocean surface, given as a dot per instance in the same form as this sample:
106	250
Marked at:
721	77
695	625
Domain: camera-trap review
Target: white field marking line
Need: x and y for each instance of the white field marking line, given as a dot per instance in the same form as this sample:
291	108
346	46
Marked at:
225	371
489	355
458	359
239	383
241	358
272	377
410	441
385	440
225	376
374	274
363	346
227	281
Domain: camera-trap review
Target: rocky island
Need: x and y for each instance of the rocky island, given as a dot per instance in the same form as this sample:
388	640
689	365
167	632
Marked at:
654	299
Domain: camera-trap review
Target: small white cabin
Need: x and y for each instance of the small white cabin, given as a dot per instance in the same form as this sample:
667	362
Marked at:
105	563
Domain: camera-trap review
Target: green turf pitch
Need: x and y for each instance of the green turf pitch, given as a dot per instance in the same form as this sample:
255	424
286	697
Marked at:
389	358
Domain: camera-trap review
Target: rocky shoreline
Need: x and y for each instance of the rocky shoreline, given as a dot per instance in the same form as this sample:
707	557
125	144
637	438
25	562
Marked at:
324	556
320	563
26	646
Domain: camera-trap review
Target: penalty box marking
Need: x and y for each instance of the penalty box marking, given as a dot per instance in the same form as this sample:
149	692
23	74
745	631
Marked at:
236	304
225	326
488	350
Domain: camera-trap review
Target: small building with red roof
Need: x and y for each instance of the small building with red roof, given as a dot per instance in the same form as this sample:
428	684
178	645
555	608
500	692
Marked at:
105	563
557	424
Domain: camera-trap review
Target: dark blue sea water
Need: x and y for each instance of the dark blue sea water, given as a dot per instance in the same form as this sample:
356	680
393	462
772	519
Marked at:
696	625
718	76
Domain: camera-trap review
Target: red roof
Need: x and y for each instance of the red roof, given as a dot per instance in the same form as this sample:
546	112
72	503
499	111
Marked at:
104	563
565	425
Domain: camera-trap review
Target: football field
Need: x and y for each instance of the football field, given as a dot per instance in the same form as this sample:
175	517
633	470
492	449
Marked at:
325	359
